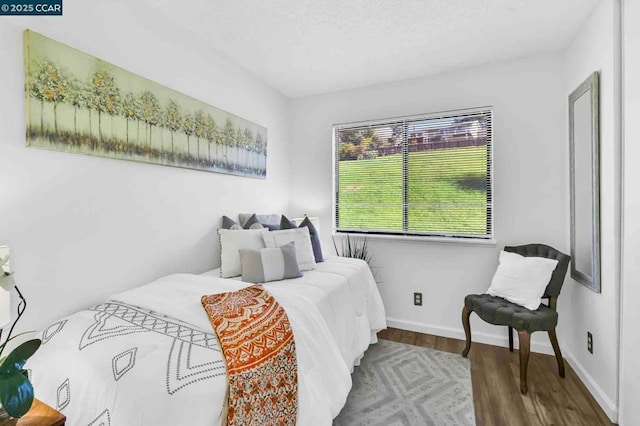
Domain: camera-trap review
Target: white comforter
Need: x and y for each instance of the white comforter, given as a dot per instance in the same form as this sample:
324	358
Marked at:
148	356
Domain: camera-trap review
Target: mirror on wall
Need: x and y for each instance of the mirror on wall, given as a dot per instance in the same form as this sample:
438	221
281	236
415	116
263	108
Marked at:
584	141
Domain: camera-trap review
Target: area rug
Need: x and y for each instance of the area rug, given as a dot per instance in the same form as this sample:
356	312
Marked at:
399	384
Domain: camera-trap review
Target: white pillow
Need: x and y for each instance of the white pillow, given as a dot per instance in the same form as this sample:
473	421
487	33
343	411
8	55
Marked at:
231	242
522	280
302	240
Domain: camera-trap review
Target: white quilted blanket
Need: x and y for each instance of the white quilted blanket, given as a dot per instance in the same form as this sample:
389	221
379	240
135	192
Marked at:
148	356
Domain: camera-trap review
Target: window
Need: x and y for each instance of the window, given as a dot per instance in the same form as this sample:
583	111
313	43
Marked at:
427	175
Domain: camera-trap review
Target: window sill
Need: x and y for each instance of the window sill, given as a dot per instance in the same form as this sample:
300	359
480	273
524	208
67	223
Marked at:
419	239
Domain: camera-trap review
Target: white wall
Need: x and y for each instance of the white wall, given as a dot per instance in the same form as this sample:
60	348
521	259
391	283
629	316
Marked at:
80	227
597	48
630	294
531	184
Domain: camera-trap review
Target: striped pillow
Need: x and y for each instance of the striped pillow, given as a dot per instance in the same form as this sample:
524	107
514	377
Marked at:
269	264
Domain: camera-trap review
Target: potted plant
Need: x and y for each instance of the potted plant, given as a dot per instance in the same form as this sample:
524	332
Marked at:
16	391
357	248
354	247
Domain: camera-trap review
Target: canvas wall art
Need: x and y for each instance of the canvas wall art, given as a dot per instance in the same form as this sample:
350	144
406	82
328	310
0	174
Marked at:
81	104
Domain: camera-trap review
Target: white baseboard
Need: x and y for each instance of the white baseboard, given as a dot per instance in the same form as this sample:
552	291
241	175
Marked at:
601	398
477	337
608	406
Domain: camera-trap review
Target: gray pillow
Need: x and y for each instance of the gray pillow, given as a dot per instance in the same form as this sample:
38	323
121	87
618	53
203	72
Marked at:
253	220
285	223
271	221
269	264
251	223
227	222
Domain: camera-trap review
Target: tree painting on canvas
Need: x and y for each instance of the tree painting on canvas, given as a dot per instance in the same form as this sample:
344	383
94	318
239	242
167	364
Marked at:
81	104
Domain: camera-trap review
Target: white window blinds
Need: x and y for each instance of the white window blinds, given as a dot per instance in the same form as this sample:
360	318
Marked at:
427	175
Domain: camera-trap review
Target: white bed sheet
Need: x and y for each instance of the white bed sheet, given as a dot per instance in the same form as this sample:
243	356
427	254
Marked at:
345	292
148	356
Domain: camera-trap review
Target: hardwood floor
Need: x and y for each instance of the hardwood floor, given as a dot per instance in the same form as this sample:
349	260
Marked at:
495	374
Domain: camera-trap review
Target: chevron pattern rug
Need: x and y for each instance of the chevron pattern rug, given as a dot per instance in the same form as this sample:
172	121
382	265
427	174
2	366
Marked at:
399	384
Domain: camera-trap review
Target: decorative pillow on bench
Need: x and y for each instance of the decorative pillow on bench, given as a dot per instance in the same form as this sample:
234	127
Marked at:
522	280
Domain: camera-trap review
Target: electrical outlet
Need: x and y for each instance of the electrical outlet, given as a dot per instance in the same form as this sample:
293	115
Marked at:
589	342
417	299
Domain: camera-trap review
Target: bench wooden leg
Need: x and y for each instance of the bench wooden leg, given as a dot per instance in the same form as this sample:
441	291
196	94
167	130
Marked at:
466	313
525	342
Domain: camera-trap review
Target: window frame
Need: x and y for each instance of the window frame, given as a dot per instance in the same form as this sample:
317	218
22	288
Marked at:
488	238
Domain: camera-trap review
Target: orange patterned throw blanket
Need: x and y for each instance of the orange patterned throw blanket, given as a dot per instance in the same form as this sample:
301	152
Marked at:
257	341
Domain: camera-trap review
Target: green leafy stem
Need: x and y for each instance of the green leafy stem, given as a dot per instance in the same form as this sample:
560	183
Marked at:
16	391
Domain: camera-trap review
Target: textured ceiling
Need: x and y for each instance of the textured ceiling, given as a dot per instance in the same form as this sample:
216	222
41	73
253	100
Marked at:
303	47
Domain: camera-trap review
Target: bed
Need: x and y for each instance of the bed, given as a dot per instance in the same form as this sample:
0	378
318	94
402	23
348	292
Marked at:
149	356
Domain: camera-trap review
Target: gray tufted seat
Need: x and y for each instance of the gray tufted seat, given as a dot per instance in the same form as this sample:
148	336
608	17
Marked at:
498	311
